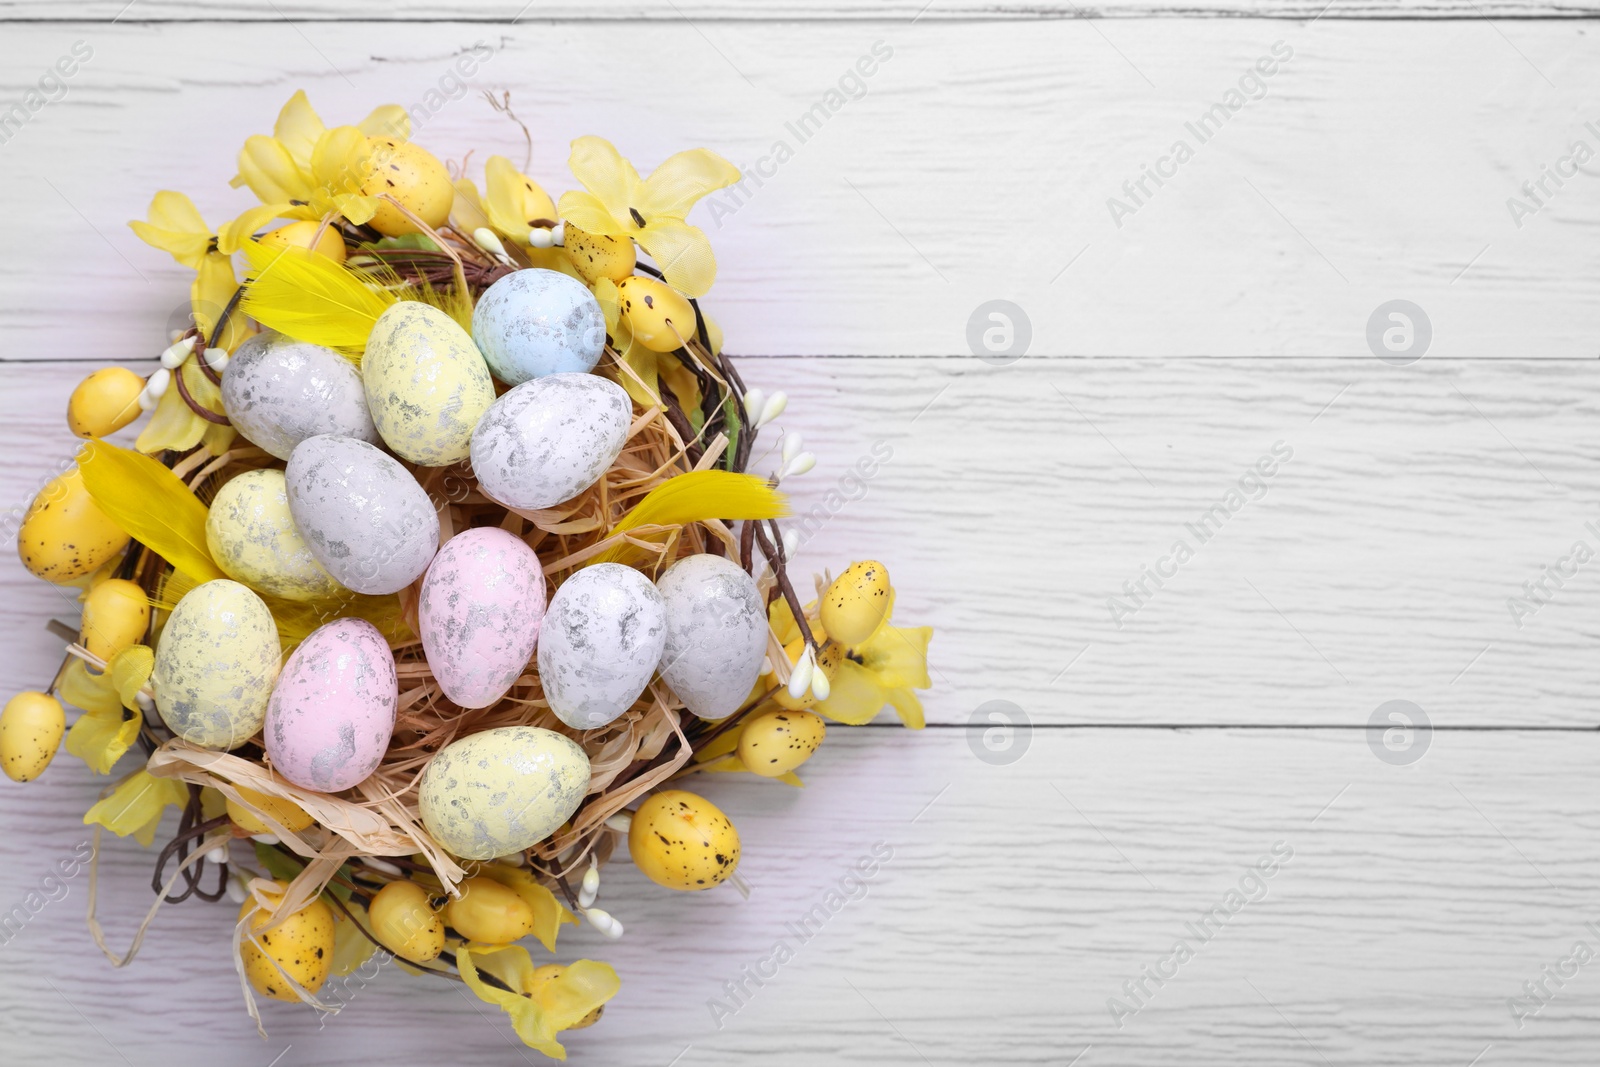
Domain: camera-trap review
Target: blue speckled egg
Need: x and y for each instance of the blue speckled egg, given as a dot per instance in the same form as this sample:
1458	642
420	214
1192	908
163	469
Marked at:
332	711
537	322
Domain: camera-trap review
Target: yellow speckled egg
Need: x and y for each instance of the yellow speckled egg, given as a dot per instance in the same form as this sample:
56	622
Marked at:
116	614
426	383
215	665
104	402
543	976
595	256
857	602
775	742
489	912
302	945
254	540
301	234
31	726
403	919
64	534
661	318
828	658
413	176
288	814
683	841
500	791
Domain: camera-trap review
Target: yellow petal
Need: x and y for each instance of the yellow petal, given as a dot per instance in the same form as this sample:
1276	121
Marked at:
587	213
340	166
94	693
298	128
513	200
235	233
683	253
466	212
610	301
643	384
679	182
908	707
270	171
681	380
351	947
135	806
597	164
175	227
389	120
548	912
855	696
556	1005
100	740
129	670
209	294
899	657
172	426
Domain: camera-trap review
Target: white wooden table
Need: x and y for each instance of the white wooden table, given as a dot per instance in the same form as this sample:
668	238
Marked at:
1031	882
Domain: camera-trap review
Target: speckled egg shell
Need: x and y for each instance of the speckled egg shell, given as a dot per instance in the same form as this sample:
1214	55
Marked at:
500	791
215	665
600	643
716	634
548	440
363	514
479	613
279	392
332	711
426	384
537	322
253	538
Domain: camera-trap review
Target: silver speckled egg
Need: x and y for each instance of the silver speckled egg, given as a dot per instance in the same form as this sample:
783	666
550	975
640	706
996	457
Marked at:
253	538
537	322
548	440
500	791
426	384
601	640
363	514
215	665
278	392
479	613
716	633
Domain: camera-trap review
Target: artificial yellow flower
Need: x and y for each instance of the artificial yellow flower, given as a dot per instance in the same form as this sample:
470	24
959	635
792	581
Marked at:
299	128
540	1007
136	805
884	669
104	731
651	210
510	205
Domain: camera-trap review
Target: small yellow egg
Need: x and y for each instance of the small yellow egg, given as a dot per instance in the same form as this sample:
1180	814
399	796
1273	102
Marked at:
31	726
104	402
595	256
116	614
301	234
857	602
489	912
289	815
542	976
828	657
414	177
403	919
775	742
661	318
302	945
683	841
64	535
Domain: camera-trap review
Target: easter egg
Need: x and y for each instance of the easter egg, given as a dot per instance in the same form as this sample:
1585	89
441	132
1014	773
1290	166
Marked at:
600	643
536	322
286	813
404	921
500	791
777	741
426	384
278	392
252	536
31	725
104	402
64	535
661	318
683	841
857	602
548	440
332	711
302	234
116	614
364	516
489	912
215	665
595	256
716	633
415	177
479	612
302	945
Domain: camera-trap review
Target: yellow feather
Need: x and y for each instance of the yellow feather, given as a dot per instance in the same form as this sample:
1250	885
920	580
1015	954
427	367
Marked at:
309	297
152	504
697	495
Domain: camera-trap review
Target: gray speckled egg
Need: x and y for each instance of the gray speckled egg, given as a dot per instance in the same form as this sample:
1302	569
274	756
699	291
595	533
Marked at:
278	392
601	640
500	791
716	634
332	711
548	440
479	614
215	665
537	322
253	538
363	514
426	384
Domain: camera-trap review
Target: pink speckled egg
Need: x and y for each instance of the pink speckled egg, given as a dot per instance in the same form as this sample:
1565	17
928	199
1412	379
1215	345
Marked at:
479	613
332	711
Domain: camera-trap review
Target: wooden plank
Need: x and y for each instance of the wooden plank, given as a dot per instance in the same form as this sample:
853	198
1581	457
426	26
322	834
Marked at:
979	165
1015	902
1011	504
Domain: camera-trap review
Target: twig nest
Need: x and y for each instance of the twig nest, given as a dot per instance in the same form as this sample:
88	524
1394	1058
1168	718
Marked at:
716	633
332	711
501	791
537	322
278	392
600	643
252	536
215	665
425	382
548	440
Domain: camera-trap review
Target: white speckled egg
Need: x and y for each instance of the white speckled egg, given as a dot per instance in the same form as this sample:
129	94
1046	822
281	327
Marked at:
479	613
426	384
363	514
600	643
278	392
215	665
716	633
253	538
548	440
537	322
332	711
500	791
